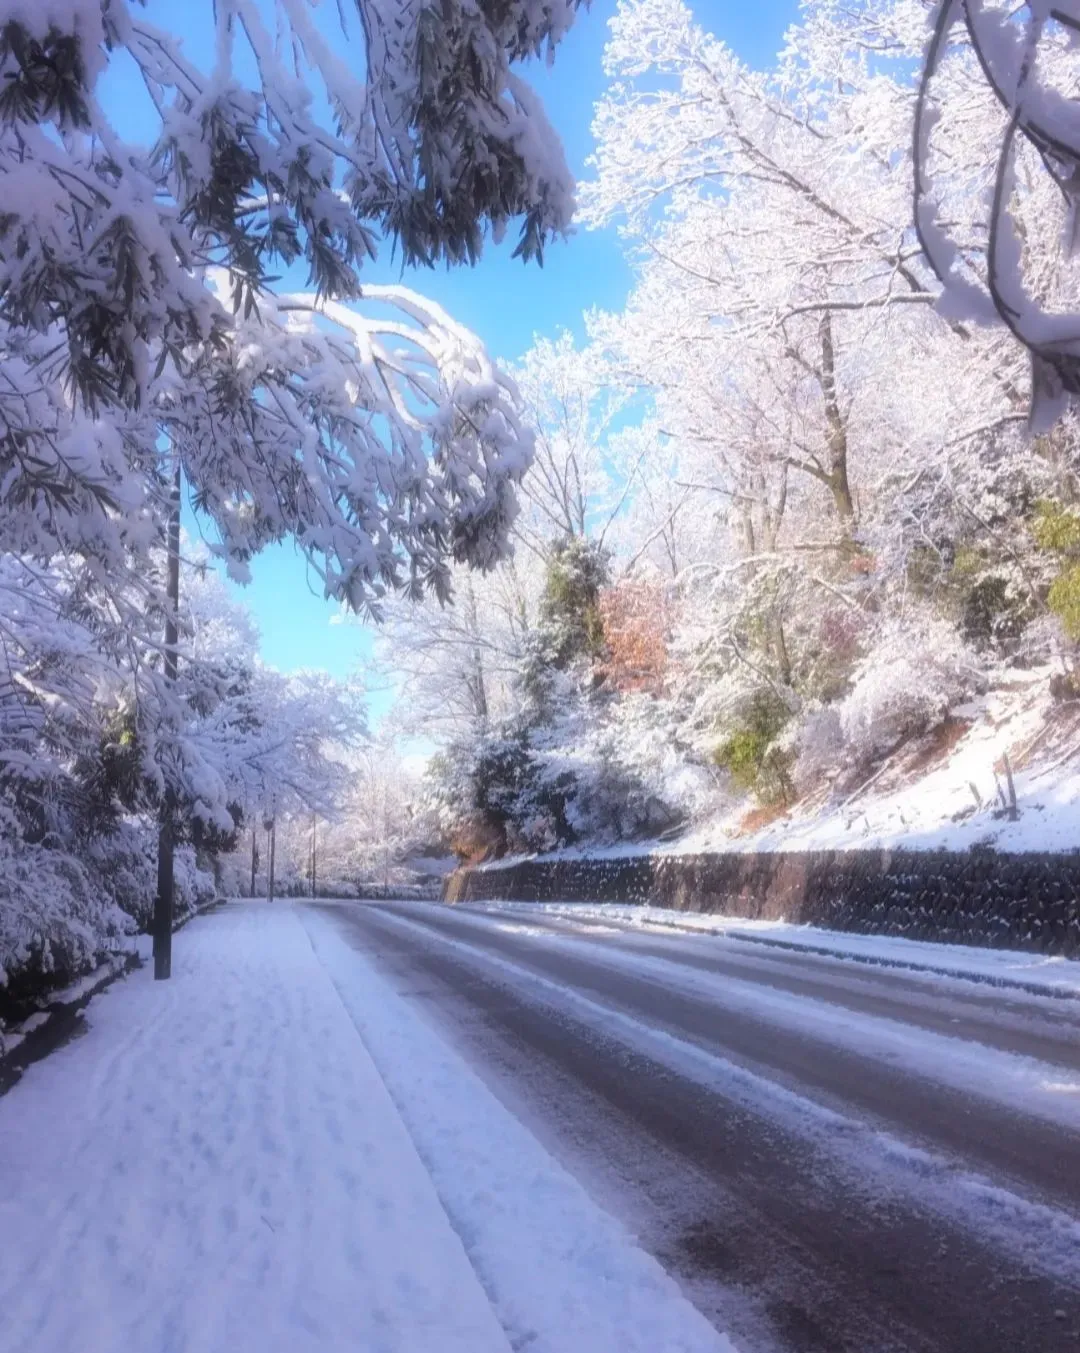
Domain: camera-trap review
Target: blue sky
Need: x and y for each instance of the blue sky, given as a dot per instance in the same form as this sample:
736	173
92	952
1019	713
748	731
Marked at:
502	300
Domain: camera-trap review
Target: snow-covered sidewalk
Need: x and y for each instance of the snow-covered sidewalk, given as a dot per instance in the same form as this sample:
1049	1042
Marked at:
219	1165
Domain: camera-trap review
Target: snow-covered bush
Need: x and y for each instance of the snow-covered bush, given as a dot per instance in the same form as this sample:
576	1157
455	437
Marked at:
56	920
816	747
621	776
194	886
603	771
126	858
476	788
918	668
60	909
751	751
234	870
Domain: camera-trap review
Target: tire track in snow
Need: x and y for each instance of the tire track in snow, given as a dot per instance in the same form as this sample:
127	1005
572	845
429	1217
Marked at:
1009	1115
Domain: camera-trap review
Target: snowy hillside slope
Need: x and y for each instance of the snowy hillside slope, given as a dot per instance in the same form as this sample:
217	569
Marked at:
945	791
949	790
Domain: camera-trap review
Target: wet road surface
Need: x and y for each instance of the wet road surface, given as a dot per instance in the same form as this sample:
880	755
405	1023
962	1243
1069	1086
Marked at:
747	1114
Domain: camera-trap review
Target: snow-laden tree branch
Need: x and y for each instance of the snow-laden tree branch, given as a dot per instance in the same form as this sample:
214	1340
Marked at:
136	281
1023	61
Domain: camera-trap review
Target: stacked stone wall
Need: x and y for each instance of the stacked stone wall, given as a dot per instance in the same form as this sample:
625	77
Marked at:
1017	901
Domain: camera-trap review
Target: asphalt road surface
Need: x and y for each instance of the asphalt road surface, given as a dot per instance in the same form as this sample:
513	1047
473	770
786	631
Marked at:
827	1155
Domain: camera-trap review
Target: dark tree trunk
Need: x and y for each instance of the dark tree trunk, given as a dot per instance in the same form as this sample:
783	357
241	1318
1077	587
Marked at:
163	903
836	427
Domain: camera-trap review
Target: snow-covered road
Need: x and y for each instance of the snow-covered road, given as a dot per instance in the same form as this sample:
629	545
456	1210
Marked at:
827	1155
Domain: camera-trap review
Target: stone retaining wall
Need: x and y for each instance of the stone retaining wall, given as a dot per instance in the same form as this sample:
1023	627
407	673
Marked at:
1021	901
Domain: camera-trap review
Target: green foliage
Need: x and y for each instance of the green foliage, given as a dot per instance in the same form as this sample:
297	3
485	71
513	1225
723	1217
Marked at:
45	77
501	772
570	616
1064	600
926	570
208	839
111	783
969	562
538	677
486	789
1056	528
749	754
991	613
110	776
969	583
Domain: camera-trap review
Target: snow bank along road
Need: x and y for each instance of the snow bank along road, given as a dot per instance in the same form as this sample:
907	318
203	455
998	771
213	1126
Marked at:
827	1156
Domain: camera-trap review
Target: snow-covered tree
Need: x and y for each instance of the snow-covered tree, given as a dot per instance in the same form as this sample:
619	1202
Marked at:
92	737
833	455
570	400
454	666
137	320
185	312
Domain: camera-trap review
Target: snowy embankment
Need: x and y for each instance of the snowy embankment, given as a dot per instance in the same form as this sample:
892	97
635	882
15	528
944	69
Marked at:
1042	974
951	799
922	796
272	1152
891	857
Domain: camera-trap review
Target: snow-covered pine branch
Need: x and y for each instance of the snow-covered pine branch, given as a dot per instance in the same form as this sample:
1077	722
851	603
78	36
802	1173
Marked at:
136	280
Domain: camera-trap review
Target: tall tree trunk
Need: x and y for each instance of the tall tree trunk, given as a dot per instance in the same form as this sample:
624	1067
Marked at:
778	643
835	427
477	680
163	902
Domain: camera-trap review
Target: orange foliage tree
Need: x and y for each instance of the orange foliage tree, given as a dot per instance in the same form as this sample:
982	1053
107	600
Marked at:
636	618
